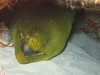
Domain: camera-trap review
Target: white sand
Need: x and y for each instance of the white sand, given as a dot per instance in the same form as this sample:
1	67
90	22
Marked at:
81	57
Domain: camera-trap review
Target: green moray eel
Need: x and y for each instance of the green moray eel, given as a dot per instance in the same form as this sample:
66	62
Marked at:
43	31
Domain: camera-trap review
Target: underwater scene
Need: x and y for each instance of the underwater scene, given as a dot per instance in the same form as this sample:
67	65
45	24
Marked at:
60	36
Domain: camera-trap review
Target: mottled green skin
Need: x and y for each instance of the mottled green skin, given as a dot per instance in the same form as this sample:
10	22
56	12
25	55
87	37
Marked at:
51	24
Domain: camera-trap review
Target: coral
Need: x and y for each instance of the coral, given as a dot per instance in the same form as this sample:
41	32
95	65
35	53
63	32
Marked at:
77	4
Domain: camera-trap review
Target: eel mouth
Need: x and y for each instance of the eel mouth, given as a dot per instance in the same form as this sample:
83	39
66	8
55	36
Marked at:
27	51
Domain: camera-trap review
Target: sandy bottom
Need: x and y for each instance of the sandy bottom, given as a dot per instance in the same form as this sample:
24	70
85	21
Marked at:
80	57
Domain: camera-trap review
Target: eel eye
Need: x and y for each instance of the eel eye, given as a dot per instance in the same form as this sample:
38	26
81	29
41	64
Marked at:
46	42
33	30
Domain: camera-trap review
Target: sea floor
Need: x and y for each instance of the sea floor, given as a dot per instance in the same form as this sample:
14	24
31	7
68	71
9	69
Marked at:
80	57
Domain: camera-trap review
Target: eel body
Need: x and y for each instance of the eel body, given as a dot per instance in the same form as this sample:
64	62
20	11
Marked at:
43	31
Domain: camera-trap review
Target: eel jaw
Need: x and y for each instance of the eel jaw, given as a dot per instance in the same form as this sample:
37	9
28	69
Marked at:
27	51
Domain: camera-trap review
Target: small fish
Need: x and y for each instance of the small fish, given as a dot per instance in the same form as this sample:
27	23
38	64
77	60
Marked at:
5	36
